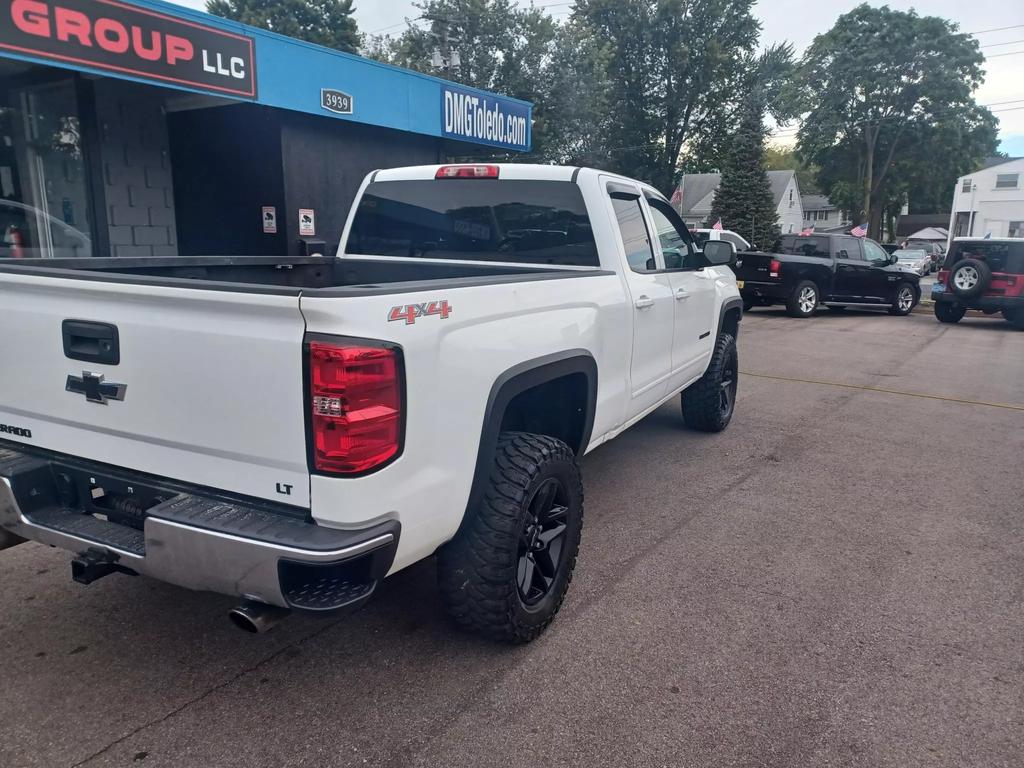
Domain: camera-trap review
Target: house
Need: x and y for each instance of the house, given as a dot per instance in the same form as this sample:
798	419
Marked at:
910	223
933	234
697	193
990	201
821	214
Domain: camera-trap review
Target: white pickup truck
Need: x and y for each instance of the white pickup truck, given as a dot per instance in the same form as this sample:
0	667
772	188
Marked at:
289	431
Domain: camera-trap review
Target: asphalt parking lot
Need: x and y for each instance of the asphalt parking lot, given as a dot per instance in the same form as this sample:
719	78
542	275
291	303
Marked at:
835	580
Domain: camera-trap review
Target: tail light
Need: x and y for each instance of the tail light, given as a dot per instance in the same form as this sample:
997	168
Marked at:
774	267
355	396
467	172
943	276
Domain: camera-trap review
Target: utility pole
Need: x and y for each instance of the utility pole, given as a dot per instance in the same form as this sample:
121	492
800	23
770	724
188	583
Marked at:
444	57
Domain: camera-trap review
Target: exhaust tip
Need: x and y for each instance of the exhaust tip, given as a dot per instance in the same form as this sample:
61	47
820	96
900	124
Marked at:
257	618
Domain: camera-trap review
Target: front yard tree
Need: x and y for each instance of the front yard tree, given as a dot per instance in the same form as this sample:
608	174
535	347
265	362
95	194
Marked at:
744	200
872	86
325	22
672	65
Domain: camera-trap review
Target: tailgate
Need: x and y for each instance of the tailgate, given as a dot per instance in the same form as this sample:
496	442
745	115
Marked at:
212	381
752	266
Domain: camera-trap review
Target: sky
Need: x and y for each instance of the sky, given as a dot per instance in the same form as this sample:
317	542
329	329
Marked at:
798	21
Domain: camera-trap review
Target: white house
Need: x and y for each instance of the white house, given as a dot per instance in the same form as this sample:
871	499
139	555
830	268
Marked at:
990	201
697	193
821	214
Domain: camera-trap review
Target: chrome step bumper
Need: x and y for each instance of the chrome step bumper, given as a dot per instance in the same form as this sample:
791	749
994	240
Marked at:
200	542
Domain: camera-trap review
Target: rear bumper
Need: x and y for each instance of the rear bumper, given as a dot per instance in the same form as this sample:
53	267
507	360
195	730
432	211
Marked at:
753	291
197	541
991	303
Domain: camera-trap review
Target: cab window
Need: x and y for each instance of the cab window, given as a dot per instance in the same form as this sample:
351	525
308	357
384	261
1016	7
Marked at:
673	237
804	246
848	248
633	231
875	253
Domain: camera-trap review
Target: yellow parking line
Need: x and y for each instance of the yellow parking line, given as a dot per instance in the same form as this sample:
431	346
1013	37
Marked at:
885	391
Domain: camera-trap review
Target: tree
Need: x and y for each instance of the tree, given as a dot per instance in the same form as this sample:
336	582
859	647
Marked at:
325	22
873	88
744	200
670	67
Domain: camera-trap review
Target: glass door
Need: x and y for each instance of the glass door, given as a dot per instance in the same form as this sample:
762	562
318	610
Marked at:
44	192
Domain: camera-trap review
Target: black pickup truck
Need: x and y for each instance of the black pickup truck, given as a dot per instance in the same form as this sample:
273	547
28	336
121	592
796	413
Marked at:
806	271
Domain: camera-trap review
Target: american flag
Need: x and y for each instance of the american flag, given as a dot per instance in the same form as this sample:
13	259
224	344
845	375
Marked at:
807	231
677	196
861	230
717	224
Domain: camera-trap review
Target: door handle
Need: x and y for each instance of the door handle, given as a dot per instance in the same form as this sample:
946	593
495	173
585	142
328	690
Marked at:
643	302
91	342
681	293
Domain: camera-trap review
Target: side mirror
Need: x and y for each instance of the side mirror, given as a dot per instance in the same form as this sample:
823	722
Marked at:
893	258
719	253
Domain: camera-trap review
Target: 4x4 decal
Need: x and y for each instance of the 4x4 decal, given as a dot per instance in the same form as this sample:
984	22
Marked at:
410	312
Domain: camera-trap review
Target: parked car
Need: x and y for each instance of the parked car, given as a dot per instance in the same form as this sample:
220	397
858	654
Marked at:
983	274
934	250
701	236
290	430
806	271
918	262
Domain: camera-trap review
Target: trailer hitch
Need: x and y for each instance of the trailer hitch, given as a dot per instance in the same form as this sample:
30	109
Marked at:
94	564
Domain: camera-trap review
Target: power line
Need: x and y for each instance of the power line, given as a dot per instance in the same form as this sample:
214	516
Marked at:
994	29
995	45
392	26
787	133
997	55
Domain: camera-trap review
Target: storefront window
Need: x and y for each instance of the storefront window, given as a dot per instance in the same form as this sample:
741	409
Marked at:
44	209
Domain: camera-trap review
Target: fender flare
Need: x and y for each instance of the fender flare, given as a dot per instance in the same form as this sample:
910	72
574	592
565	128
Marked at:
517	380
734	302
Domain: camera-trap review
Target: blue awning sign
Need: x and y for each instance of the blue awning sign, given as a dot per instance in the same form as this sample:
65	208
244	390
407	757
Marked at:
484	119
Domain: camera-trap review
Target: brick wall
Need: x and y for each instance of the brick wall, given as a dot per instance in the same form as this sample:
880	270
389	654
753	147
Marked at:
136	169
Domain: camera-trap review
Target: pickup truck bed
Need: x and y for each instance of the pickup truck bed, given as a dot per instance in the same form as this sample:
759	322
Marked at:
285	275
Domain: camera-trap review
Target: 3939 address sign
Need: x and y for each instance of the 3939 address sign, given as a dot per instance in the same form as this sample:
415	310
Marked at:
132	41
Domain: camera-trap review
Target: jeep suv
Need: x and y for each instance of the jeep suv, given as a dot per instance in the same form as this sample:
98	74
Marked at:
981	273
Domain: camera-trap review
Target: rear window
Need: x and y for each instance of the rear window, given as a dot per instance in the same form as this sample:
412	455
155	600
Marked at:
1000	257
535	222
804	246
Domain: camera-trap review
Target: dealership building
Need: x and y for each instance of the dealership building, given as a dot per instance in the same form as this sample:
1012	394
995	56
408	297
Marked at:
146	129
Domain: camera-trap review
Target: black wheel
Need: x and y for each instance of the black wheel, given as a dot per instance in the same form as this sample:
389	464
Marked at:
507	570
709	402
804	299
1015	317
949	313
904	300
969	278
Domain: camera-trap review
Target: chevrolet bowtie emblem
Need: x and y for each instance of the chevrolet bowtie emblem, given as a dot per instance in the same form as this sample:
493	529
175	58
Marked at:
95	389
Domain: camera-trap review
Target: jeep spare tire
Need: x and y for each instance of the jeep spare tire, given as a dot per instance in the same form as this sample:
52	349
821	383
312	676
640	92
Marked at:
969	278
